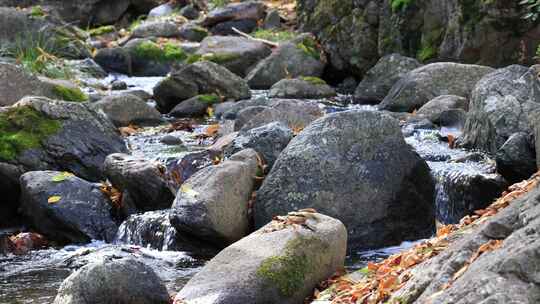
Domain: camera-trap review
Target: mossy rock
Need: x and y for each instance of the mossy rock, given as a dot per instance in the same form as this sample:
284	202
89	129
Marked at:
23	128
69	93
209	99
288	271
166	53
274	35
218	58
310	47
102	30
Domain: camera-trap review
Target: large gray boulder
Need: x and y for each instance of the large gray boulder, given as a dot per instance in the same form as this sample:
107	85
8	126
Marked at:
237	54
502	103
80	212
268	140
213	203
42	134
279	263
16	83
299	57
199	78
378	81
354	166
421	85
302	88
126	109
142	181
113	281
504	275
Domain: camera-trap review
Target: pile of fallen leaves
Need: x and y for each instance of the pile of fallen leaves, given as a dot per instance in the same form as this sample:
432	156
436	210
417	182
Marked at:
114	194
384	278
297	219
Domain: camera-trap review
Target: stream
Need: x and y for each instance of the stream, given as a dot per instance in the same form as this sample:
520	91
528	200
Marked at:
35	277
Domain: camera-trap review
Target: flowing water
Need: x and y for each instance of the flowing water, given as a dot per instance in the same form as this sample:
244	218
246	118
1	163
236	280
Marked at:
35	277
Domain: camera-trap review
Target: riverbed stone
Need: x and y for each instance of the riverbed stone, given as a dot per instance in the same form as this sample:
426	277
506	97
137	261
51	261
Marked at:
250	10
148	29
302	88
436	109
66	208
238	54
141	180
354	166
301	56
16	83
213	203
516	158
268	140
378	81
199	78
126	109
113	281
272	265
421	85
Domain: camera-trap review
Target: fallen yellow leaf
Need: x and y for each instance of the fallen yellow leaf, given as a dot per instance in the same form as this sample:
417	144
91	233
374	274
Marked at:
54	199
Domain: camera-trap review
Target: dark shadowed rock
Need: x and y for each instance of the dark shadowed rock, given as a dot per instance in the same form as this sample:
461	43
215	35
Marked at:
113	281
213	203
115	59
245	115
142	180
271	265
192	32
378	81
516	158
421	85
81	213
354	166
194	107
226	28
126	109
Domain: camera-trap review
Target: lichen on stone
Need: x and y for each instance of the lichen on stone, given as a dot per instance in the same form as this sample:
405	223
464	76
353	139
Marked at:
23	128
69	94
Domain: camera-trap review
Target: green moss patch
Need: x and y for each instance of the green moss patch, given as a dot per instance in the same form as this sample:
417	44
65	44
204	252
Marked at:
69	94
313	80
400	4
309	47
37	11
288	272
209	99
274	35
102	30
164	53
23	128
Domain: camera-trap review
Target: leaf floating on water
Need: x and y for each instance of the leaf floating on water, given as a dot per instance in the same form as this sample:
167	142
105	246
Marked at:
60	177
54	199
189	191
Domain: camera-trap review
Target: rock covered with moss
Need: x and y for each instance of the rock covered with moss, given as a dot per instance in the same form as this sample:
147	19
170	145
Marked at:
200	78
357	33
42	134
301	56
280	263
196	106
354	166
419	86
302	88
